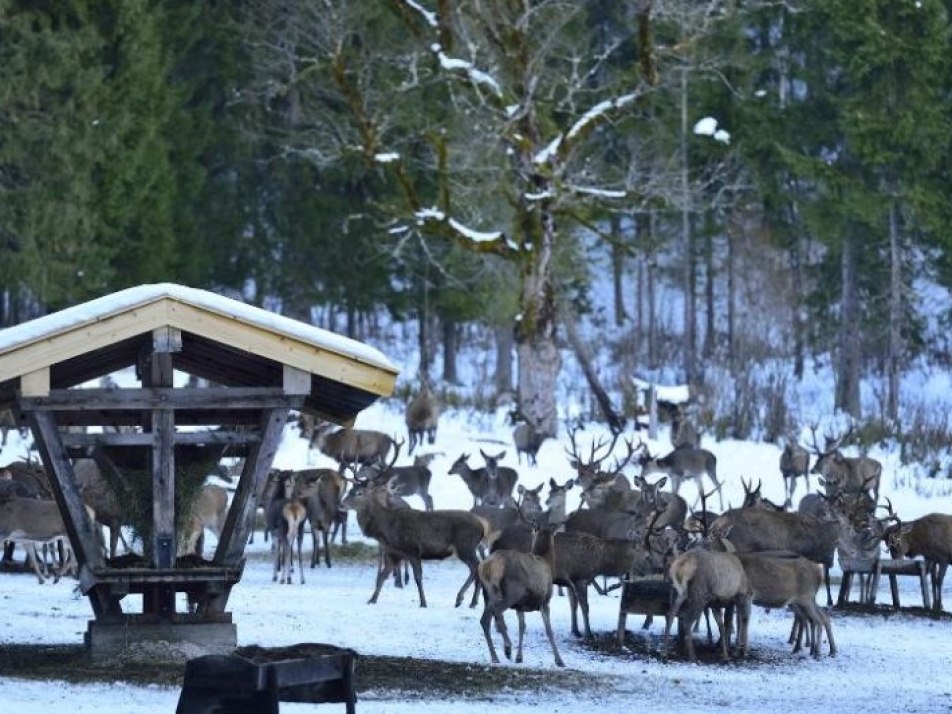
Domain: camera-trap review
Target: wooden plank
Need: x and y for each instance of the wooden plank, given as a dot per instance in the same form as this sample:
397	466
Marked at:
145	439
260	340
163	489
78	340
296	381
166	339
36	384
148	398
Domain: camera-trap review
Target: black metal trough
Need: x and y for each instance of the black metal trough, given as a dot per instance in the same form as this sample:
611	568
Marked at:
255	679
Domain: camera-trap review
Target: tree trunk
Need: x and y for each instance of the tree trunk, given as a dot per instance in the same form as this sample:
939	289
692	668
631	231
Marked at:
848	367
709	294
731	299
896	347
687	252
539	359
618	267
504	344
450	351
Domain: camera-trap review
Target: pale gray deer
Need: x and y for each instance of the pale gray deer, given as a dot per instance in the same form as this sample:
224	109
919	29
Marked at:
817	539
526	438
286	516
34	522
484	488
683	464
320	490
422	417
845	474
703	578
785	580
208	510
351	446
794	464
513	580
683	432
404	481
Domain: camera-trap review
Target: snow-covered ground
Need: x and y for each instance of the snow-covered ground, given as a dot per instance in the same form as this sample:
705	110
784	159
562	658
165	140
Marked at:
897	663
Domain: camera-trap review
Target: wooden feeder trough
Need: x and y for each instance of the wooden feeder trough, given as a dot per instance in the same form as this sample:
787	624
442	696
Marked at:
255	679
257	367
643	596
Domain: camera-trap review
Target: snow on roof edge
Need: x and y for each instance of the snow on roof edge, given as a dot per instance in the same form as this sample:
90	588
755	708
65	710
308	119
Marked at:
108	305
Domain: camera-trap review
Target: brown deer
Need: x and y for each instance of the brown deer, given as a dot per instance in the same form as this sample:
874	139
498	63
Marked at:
320	491
683	432
360	446
422	417
930	537
513	580
485	489
681	464
527	439
757	529
415	536
208	510
403	481
846	474
703	578
286	517
794	463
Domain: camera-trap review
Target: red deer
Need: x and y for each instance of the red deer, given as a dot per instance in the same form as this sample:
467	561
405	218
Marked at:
930	537
845	474
794	463
513	580
406	534
360	446
681	464
702	578
422	416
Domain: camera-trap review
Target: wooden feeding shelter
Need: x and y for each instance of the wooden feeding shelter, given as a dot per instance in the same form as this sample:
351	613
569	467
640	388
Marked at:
257	366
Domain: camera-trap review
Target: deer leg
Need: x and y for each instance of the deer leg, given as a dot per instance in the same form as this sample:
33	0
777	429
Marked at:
673	612
827	625
826	580
546	621
581	592
472	563
315	546
484	621
939	578
719	619
300	542
573	605
500	617
427	501
325	537
418	577
386	567
521	616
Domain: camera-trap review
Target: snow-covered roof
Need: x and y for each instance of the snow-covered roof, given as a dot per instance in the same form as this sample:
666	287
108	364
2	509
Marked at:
223	329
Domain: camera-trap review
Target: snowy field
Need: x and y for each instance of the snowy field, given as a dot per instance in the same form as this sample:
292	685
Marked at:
896	664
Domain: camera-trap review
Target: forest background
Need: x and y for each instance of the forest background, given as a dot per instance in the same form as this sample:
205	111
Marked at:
760	186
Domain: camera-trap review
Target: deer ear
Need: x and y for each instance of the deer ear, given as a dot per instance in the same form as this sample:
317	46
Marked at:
662	482
521	489
569	484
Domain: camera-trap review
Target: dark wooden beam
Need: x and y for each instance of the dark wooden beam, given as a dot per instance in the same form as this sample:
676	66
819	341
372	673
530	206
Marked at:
145	439
238	524
209	398
79	527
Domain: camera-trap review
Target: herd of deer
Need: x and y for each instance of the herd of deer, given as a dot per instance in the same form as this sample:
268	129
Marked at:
627	527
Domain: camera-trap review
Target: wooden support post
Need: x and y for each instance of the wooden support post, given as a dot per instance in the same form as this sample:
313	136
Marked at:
238	524
79	528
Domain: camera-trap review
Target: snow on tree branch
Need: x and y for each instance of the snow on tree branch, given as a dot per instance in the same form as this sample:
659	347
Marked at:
482	241
581	126
475	76
428	16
